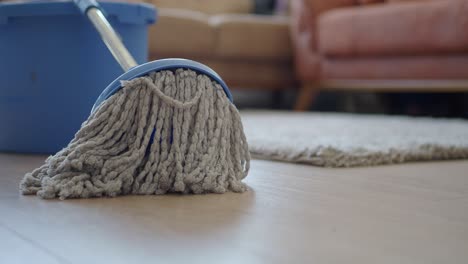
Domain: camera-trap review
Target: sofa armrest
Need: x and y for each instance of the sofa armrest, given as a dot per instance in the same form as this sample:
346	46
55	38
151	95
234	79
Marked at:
303	19
304	15
210	7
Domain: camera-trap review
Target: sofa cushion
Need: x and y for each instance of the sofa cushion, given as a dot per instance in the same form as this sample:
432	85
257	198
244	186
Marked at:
430	27
207	6
252	36
405	67
181	32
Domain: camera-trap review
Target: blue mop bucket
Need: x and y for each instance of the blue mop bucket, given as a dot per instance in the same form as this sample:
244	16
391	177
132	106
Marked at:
49	77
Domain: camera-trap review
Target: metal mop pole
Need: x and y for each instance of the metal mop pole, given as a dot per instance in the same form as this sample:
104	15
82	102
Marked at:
112	40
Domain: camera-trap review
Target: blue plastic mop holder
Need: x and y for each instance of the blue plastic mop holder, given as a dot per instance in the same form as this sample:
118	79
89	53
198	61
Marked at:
160	65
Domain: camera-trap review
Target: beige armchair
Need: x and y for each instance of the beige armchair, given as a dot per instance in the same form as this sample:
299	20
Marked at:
247	50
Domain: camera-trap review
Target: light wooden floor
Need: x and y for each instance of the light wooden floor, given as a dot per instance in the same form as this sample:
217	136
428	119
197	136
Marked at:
414	213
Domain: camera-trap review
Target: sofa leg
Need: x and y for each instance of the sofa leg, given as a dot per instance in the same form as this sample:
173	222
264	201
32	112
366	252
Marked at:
277	99
306	97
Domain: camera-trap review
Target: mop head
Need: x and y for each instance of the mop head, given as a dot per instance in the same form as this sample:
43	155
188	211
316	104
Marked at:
164	132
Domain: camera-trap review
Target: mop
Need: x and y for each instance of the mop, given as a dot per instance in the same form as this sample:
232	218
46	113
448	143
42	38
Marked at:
167	126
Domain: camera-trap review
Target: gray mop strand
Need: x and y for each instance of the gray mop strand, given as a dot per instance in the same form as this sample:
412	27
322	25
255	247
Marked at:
198	143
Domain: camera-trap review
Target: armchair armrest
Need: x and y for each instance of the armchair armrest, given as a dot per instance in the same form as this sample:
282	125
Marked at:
304	14
303	19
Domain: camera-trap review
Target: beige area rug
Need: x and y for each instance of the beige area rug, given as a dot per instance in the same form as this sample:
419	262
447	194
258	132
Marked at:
345	140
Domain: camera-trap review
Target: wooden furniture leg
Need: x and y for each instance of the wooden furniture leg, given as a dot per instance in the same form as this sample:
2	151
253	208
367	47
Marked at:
306	96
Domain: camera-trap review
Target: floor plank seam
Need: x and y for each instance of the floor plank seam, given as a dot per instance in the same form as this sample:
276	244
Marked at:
35	244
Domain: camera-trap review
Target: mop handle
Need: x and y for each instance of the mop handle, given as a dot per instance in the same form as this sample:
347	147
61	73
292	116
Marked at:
113	42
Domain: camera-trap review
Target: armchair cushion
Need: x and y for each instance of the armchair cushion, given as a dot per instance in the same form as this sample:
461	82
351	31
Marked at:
399	68
419	28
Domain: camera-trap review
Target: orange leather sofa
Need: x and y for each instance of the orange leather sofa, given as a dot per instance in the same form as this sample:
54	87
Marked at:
379	45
